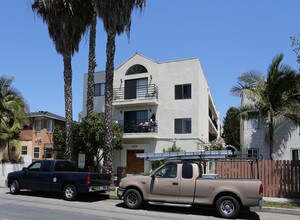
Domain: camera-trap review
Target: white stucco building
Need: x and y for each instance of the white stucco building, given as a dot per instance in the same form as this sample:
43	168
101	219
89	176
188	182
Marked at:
159	105
255	136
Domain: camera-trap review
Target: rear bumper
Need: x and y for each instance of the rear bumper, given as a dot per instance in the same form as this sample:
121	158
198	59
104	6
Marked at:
98	188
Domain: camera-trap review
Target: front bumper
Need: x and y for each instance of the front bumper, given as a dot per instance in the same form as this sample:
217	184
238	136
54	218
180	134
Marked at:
120	192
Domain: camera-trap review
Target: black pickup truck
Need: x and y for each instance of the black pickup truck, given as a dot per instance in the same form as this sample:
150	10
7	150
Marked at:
57	176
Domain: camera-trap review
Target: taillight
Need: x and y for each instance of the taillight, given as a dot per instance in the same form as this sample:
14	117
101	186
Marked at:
88	180
261	190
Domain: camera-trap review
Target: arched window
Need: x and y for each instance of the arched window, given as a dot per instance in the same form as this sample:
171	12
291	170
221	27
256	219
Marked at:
136	69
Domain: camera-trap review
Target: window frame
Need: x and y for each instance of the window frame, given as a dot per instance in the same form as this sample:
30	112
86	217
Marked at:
298	154
34	152
50	124
99	89
180	93
253	152
24	150
183	127
37	124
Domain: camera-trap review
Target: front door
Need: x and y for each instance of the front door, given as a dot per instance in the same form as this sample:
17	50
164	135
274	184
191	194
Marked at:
134	165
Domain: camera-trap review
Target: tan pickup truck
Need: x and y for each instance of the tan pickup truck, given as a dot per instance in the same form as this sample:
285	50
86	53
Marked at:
182	183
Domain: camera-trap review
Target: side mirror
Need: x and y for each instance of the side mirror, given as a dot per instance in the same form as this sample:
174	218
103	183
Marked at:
24	169
153	175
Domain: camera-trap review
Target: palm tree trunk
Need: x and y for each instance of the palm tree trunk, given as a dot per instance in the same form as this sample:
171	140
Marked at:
271	137
108	135
68	155
92	64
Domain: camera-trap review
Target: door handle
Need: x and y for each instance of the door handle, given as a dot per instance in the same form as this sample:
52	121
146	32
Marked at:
175	184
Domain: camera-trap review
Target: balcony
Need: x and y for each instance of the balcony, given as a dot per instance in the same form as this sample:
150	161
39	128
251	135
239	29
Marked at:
139	129
136	96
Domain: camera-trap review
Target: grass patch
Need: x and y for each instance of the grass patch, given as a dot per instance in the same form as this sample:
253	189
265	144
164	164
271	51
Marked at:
288	205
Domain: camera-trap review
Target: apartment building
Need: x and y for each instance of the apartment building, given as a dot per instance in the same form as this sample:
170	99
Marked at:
158	105
37	137
254	133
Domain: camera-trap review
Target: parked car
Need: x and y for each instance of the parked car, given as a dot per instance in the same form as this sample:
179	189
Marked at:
182	182
57	176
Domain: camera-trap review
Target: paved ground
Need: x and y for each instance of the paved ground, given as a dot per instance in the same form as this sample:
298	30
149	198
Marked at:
255	209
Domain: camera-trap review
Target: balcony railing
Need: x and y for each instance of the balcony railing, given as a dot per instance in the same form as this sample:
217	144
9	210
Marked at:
139	92
139	126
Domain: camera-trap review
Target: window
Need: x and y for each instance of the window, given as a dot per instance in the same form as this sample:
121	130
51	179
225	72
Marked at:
46	166
49	126
37	124
24	150
136	69
253	152
252	120
183	91
48	152
99	89
167	171
35	166
36	152
187	171
295	154
65	166
183	126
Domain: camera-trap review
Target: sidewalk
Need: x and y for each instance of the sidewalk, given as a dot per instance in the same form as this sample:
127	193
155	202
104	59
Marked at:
2	181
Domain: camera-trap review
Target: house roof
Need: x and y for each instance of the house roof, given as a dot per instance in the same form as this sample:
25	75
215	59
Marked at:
47	115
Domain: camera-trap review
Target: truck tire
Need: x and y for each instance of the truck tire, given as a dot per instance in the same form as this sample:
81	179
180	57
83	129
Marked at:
228	207
133	199
14	187
70	192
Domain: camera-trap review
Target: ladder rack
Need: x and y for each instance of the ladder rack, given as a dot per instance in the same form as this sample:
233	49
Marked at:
199	155
214	154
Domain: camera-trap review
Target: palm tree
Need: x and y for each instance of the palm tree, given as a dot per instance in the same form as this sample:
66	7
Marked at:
67	22
276	95
13	112
92	61
116	16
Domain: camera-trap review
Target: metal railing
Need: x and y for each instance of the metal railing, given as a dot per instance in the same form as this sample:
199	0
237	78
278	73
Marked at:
140	92
138	126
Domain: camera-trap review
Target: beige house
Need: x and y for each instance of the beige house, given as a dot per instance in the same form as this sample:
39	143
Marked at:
36	138
255	136
158	105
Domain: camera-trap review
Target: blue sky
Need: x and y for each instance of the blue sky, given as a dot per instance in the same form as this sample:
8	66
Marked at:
228	37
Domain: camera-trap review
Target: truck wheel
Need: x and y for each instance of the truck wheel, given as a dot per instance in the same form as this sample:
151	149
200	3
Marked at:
70	192
133	199
14	187
228	207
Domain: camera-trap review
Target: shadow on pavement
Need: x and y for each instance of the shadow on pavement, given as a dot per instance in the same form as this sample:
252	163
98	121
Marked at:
88	197
203	211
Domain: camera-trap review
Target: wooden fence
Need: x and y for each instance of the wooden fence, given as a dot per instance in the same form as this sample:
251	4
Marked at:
280	178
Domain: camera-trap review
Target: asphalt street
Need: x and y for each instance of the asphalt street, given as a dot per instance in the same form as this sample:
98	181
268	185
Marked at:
34	205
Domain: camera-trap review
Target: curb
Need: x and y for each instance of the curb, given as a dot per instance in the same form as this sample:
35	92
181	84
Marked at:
277	210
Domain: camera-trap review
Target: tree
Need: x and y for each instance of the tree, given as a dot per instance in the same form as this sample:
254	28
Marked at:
13	113
67	22
89	138
116	16
296	46
92	61
231	127
276	95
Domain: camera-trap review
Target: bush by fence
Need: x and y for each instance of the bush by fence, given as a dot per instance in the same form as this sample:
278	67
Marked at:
280	178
